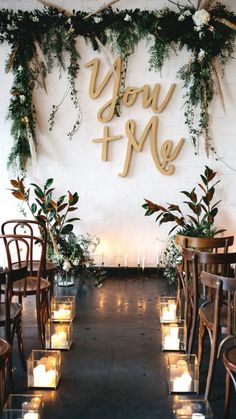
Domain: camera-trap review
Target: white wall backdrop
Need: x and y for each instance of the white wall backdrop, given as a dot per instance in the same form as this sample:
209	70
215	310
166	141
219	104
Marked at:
109	205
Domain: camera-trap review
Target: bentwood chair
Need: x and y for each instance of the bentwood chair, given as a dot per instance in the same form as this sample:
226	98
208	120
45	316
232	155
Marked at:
11	312
33	228
213	245
5	351
29	282
217	316
229	359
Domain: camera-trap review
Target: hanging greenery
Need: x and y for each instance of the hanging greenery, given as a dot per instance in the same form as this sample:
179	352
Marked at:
39	39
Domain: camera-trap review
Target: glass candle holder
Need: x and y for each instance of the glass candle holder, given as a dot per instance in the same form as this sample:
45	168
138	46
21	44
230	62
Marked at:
192	409
63	308
23	406
44	368
168	307
183	373
173	336
59	335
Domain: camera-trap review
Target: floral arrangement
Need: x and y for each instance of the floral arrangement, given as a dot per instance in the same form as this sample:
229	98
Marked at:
209	35
171	257
70	253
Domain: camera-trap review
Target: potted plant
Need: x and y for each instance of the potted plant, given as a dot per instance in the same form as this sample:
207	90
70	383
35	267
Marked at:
69	252
200	222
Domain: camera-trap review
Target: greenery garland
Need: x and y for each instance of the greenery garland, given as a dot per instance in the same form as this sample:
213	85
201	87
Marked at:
38	40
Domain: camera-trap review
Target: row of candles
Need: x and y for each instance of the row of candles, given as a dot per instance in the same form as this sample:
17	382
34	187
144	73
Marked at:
44	366
122	259
183	371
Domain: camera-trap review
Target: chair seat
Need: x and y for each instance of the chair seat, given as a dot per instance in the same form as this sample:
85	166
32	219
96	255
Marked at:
19	286
35	266
15	312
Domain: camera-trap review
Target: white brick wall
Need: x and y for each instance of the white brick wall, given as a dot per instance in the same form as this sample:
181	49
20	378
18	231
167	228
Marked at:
110	206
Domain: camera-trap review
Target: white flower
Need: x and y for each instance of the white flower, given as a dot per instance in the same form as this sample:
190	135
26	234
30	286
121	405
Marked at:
201	55
20	68
66	266
181	17
35	19
9	27
187	13
76	262
127	17
201	17
22	98
69	21
97	19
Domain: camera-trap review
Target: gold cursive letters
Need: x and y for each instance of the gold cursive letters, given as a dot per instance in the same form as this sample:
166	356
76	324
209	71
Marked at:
167	153
150	98
94	93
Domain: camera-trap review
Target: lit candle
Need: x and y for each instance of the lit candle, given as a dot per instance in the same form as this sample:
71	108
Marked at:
126	261
198	415
169	313
43	377
31	415
62	314
119	257
183	383
143	262
59	340
138	257
158	258
171	341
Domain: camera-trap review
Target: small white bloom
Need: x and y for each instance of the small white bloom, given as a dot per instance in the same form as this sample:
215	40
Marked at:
127	17
35	19
22	98
9	27
201	55
201	17
20	68
181	18
76	262
97	19
187	13
69	21
66	266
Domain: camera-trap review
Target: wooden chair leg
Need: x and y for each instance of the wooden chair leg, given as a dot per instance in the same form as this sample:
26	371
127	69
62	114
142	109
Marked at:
227	395
201	334
179	294
19	334
212	364
39	321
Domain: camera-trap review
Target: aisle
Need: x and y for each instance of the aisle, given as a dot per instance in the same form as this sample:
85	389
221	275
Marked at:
115	368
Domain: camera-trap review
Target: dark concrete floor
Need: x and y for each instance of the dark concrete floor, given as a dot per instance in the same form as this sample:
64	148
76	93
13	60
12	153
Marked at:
115	368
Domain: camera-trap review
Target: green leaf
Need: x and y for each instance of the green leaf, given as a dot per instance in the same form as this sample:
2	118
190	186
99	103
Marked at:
33	208
67	229
71	220
48	183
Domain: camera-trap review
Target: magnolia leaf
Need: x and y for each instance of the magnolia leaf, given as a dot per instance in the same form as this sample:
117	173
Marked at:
53	203
14	183
39	193
18	195
73	219
33	208
50	191
48	183
72	208
71	197
204	179
61	207
202	187
61	199
67	229
214	211
213	206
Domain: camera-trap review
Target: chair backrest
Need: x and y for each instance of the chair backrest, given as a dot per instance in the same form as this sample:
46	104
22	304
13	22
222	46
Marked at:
18	256
28	228
225	297
213	244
